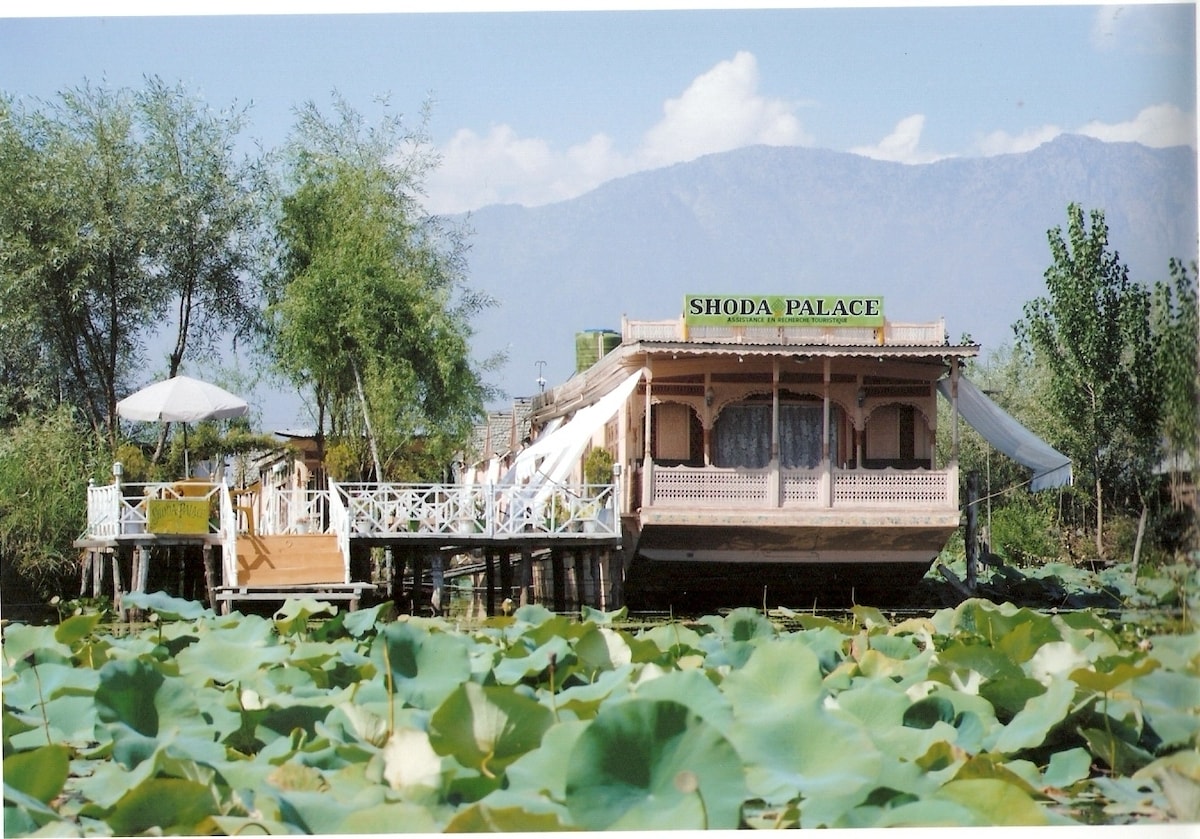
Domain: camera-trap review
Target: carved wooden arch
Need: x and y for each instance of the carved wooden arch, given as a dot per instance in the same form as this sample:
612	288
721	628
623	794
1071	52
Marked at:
920	409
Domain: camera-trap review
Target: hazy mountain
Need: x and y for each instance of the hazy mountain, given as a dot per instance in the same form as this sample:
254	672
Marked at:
961	238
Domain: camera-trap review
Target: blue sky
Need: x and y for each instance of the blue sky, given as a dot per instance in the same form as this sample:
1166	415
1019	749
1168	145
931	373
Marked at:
537	106
531	107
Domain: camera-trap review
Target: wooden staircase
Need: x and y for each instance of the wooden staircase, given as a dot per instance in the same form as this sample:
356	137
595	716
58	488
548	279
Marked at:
279	567
266	561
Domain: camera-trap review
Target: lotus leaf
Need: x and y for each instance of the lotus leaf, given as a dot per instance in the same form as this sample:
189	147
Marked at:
167	607
651	764
172	805
487	728
505	811
1067	768
994	802
40	773
1033	723
544	769
425	666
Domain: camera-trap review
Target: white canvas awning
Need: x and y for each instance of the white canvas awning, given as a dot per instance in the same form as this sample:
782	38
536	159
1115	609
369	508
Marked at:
550	459
1050	467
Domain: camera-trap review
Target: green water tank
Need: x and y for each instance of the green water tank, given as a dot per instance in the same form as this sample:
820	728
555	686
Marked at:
593	344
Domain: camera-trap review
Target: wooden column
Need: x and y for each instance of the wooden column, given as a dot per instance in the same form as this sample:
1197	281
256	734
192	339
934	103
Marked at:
580	578
489	577
594	566
826	455
210	576
559	582
396	583
438	573
971	539
647	459
506	575
418	571
526	575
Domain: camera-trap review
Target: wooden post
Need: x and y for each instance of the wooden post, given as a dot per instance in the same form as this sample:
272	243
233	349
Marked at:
506	575
437	573
526	575
118	598
560	584
210	577
616	577
594	566
489	576
417	591
399	561
971	540
580	579
97	577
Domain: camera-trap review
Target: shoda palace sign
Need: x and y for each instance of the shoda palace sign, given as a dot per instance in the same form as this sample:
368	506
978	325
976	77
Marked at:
781	310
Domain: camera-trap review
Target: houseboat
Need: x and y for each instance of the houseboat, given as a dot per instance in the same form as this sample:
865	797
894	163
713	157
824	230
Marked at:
774	449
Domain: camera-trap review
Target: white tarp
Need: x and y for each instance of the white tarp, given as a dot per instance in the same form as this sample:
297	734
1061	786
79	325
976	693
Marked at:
1050	468
550	459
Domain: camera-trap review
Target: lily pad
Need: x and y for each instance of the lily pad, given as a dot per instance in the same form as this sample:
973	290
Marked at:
652	764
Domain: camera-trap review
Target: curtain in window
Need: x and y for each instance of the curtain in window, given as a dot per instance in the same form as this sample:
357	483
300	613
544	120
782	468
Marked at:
800	435
743	436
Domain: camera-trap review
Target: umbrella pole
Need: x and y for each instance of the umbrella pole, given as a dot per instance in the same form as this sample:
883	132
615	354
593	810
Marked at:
187	472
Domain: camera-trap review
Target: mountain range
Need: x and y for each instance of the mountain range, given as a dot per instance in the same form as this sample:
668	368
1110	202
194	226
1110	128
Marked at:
961	238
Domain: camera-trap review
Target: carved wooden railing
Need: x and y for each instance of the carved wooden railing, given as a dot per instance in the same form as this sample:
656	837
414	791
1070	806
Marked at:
684	486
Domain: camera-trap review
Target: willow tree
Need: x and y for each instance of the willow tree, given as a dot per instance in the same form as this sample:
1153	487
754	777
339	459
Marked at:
123	213
1092	329
372	311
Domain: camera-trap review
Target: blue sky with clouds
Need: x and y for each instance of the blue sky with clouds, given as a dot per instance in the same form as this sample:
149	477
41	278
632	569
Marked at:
536	106
532	107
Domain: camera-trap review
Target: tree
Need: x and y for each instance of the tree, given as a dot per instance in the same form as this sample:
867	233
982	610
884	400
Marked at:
372	312
75	213
113	205
1093	332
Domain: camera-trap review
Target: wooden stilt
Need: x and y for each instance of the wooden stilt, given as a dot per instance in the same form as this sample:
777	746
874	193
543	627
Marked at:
971	539
580	579
526	575
437	573
416	593
489	576
97	577
118	594
594	567
506	576
210	577
399	558
558	580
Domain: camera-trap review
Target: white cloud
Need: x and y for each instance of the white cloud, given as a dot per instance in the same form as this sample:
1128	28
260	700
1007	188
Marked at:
902	145
1001	142
1158	126
719	111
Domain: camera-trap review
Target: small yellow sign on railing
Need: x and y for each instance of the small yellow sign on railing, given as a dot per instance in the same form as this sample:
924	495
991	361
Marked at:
177	516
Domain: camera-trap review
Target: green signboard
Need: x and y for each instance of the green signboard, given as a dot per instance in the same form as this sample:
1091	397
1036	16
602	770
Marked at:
781	310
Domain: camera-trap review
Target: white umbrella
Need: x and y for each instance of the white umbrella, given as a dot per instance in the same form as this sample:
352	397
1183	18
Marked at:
181	399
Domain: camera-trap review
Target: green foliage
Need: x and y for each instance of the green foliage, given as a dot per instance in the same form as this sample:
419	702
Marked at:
1024	527
1092	331
118	209
597	467
372	312
981	714
45	464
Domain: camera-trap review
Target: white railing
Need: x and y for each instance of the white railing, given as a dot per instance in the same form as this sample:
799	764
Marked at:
386	510
292	511
894	334
104	511
709	487
123	509
339	523
229	532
